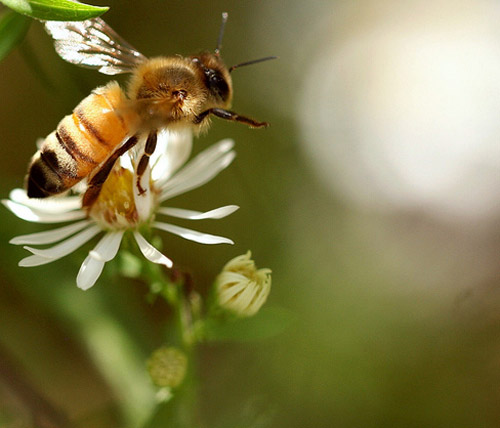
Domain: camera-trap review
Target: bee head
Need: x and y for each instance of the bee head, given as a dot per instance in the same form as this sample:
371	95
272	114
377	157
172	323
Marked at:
216	76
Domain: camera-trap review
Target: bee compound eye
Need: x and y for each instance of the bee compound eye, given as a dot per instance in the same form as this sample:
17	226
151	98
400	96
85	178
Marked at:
218	84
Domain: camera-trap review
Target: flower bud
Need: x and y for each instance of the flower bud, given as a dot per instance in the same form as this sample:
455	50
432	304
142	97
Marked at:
242	288
167	367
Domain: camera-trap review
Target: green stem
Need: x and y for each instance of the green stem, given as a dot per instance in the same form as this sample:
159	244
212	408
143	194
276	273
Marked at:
174	294
181	411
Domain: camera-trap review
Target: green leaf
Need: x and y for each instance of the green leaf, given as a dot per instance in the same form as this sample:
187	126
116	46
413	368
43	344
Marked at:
268	322
55	10
13	28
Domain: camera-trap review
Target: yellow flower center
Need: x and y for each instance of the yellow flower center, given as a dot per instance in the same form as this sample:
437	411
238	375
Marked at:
115	206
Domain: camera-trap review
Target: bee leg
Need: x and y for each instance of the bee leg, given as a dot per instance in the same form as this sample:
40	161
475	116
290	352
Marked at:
96	182
230	115
143	162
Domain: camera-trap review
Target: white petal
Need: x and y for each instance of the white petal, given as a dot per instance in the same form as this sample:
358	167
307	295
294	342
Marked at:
150	252
34	261
206	157
108	246
135	152
56	204
143	201
172	150
203	159
80	188
68	246
213	152
192	235
89	272
49	236
197	215
31	214
189	179
126	161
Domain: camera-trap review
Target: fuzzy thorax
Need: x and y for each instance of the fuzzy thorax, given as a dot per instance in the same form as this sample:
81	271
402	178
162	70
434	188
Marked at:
166	91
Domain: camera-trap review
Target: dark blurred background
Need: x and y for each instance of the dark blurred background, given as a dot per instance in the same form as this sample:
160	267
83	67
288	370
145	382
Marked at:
373	197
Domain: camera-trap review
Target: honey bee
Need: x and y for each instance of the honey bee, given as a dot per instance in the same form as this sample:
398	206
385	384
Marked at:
164	92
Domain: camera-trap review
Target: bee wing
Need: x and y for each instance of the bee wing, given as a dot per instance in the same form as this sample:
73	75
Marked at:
93	44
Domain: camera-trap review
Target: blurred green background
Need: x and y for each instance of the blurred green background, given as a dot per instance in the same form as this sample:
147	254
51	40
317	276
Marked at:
373	197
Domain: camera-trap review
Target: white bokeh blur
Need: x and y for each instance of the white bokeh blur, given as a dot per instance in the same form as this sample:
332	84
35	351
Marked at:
402	109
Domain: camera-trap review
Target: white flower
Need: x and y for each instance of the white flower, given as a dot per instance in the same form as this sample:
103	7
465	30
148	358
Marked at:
120	207
242	288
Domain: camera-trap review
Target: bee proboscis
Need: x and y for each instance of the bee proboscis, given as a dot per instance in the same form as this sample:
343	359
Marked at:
164	92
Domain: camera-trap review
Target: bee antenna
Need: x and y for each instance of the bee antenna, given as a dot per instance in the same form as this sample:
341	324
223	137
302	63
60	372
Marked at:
254	61
221	33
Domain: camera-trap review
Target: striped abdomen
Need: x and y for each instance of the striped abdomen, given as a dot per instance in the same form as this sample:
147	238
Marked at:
81	142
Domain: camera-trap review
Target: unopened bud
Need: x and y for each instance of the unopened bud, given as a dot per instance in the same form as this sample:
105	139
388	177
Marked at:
241	287
167	367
